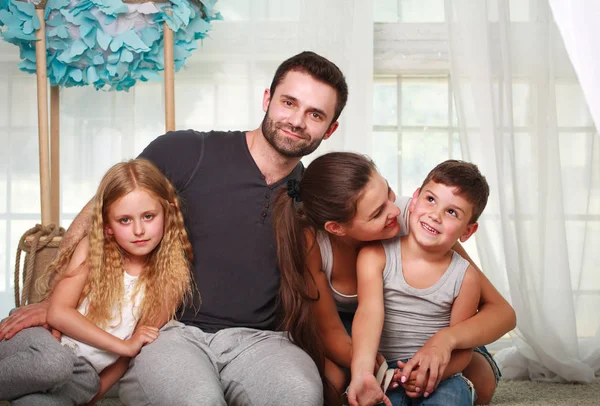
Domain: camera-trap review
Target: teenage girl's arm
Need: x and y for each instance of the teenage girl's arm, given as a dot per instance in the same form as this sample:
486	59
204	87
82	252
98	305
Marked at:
464	307
335	338
63	314
495	318
366	328
36	314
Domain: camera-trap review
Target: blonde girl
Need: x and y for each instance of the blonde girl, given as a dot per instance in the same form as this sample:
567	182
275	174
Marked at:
108	295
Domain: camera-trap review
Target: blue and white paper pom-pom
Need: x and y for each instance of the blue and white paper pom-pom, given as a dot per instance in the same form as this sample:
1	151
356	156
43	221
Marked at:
105	43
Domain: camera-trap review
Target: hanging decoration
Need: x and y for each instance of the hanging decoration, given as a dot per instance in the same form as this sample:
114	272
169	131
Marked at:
110	44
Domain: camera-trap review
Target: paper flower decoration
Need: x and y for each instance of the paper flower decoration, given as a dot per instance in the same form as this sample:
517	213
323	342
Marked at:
109	44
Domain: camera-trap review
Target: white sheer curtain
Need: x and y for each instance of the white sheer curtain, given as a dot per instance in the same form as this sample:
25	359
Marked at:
221	87
577	21
524	121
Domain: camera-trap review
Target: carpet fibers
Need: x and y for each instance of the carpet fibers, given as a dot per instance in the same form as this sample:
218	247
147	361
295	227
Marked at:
517	393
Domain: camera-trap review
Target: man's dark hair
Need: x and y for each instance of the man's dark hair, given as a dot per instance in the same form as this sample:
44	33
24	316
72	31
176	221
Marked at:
320	69
465	176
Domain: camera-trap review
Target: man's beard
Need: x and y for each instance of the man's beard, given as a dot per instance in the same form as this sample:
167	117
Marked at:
284	144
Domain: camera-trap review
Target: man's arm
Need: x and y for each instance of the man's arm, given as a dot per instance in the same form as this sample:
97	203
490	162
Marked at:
79	227
36	314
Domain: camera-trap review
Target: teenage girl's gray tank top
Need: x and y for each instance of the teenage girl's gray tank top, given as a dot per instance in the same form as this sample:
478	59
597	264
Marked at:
349	303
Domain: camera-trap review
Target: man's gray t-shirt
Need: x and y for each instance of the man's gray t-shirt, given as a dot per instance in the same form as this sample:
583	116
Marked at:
227	206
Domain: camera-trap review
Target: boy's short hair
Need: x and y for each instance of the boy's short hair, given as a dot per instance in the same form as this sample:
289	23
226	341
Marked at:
464	176
321	69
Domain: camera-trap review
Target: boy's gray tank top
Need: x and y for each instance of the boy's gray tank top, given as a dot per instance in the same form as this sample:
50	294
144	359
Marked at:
413	315
349	303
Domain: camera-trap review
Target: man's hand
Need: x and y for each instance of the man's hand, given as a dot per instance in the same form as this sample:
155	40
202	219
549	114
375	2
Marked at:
365	391
32	315
429	362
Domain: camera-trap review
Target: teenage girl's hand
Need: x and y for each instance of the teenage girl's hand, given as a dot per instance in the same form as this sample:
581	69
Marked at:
141	336
32	315
429	362
366	391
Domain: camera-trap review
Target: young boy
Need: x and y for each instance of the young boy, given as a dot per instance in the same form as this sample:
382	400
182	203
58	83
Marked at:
412	286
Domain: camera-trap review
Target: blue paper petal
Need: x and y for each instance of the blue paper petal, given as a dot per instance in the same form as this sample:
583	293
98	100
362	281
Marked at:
99	57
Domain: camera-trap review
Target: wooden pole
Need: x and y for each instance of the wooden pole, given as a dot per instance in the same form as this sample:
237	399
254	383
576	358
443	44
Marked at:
169	78
55	154
42	99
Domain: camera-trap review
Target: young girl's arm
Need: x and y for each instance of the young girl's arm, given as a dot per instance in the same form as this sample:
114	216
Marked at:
367	327
112	373
64	316
335	338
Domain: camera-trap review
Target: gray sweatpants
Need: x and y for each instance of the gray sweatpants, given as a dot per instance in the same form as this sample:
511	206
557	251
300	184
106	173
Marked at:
235	366
35	369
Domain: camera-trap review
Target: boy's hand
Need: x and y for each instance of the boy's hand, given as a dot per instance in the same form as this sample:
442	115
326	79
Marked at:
141	336
365	391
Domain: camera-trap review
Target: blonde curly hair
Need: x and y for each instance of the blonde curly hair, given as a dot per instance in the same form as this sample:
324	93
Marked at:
166	279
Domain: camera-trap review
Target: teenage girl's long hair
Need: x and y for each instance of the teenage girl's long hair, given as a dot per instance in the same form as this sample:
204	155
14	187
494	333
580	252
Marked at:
329	191
166	280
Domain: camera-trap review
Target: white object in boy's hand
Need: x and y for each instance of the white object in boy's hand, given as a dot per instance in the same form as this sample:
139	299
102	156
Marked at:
384	376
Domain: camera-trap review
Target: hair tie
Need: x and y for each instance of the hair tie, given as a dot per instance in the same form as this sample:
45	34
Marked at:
293	190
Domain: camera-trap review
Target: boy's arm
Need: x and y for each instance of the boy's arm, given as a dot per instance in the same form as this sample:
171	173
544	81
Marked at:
464	307
367	327
335	338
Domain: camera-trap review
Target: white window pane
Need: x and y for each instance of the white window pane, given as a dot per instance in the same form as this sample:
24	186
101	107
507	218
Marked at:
421	152
422	11
151	116
24	99
4	99
385	101
521	104
456	149
385	11
571	107
4	273
282	10
588	322
424	102
519	10
575	155
196	103
385	156
24	164
233	97
234	10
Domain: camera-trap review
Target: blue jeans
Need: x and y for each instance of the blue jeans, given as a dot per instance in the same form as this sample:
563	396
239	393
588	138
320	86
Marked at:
453	391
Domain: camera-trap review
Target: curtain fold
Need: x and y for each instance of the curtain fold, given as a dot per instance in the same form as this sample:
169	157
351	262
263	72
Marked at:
510	81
